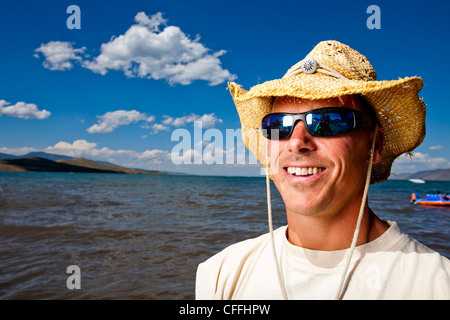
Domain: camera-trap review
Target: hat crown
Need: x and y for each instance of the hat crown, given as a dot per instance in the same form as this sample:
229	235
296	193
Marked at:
345	60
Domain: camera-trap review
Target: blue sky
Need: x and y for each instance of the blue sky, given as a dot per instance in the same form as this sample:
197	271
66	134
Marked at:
117	88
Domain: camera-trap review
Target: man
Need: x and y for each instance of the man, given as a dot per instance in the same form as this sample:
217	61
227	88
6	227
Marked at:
323	133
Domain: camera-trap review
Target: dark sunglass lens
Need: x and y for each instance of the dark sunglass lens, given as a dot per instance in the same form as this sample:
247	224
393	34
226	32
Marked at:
276	127
331	123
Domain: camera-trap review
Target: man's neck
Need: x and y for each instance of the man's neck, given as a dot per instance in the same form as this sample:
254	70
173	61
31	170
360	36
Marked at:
330	233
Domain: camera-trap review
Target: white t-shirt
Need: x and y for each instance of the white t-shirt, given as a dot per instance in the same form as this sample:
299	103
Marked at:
393	266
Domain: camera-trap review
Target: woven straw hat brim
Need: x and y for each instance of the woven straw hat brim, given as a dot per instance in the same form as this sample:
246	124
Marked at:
400	111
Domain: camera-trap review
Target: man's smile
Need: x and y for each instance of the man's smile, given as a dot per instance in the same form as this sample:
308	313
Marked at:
304	171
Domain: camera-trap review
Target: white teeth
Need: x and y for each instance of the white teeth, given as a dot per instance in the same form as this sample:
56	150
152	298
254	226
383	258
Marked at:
303	171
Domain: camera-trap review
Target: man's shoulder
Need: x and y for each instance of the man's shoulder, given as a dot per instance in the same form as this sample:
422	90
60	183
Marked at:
416	250
409	269
244	249
218	275
407	244
410	255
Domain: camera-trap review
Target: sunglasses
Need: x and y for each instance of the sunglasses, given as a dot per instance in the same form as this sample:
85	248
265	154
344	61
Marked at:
325	122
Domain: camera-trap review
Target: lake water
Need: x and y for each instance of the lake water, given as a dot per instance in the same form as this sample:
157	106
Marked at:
142	236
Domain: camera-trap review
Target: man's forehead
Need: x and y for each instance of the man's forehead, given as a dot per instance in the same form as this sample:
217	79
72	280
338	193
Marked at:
294	104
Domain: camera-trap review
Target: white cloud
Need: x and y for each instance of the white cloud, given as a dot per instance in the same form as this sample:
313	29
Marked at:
17	151
157	127
76	149
152	23
83	148
143	51
419	162
436	147
204	68
153	154
59	55
23	110
150	119
146	52
207	120
109	121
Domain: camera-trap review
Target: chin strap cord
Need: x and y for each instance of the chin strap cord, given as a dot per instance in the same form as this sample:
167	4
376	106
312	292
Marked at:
269	213
342	286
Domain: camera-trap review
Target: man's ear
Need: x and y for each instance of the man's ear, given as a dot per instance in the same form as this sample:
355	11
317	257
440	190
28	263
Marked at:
379	143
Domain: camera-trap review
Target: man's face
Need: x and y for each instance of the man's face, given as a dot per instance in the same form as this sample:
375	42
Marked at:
337	165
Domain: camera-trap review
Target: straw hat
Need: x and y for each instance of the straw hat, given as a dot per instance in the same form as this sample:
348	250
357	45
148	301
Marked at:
330	70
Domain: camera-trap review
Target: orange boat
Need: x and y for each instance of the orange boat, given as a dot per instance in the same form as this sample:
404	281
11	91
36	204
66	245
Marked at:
430	200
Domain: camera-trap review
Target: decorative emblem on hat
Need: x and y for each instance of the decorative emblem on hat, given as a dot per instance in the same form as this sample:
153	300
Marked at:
309	65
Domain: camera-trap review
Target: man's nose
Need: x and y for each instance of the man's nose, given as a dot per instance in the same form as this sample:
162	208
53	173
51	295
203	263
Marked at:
301	140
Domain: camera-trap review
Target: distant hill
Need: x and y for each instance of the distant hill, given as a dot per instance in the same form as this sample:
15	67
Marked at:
7	156
437	174
45	155
36	154
41	164
65	165
86	163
